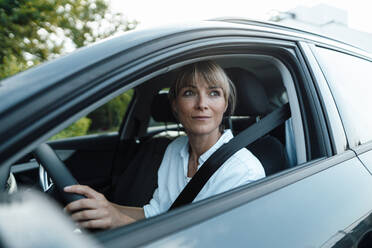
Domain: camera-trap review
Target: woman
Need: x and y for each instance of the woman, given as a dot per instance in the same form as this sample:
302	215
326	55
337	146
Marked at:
199	97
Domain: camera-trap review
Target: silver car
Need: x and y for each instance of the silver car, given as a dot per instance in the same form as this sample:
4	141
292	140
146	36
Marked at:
318	161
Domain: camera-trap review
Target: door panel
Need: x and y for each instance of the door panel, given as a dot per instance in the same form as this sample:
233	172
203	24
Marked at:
306	213
366	159
89	158
364	153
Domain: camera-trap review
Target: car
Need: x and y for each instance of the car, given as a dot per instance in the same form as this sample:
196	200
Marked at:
318	161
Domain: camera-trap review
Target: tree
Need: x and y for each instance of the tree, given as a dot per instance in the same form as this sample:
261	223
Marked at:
78	128
32	31
109	116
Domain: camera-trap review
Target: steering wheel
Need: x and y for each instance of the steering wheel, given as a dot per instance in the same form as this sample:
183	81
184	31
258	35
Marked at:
57	170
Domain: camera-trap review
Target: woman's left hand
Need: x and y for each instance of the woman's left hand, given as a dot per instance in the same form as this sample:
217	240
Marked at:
95	211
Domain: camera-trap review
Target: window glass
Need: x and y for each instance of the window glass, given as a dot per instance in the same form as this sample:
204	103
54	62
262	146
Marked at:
104	119
350	81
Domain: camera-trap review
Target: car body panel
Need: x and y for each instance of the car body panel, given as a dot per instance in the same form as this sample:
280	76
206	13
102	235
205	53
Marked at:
365	155
300	213
311	184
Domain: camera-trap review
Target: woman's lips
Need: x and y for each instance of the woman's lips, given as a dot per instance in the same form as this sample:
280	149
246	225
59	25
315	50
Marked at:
201	118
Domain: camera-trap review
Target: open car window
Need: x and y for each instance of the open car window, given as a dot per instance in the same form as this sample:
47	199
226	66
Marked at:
271	74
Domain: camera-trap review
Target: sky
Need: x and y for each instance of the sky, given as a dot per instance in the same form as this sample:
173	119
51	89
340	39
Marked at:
150	13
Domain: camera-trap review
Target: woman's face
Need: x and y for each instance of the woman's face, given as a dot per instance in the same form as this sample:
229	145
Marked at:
200	108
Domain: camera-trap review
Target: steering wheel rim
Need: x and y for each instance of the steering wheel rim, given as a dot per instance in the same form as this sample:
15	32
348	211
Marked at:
57	170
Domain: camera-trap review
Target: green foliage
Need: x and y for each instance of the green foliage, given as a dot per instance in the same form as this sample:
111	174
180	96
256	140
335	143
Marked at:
78	128
109	116
11	65
32	31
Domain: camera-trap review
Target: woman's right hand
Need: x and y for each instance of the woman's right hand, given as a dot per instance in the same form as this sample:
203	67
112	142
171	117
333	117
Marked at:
95	211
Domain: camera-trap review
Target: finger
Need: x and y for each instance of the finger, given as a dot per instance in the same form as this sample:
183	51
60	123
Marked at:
83	190
97	224
82	204
88	215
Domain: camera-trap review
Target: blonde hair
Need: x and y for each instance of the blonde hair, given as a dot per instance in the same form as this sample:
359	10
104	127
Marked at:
208	72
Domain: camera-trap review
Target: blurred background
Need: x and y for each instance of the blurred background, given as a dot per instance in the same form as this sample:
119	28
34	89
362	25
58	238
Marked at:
358	12
34	31
350	21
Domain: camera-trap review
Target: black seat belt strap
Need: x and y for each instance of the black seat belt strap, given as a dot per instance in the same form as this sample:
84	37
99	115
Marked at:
243	139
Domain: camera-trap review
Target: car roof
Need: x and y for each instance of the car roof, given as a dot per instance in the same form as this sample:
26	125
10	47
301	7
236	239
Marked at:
34	78
304	33
277	25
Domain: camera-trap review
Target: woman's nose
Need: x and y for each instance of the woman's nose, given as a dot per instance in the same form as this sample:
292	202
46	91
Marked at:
202	102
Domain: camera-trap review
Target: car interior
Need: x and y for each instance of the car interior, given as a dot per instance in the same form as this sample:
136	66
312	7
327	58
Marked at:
123	165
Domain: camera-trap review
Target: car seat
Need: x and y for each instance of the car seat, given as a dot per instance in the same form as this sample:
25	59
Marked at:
252	104
134	186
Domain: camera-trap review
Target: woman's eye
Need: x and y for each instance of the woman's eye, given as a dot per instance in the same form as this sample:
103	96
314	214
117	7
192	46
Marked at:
188	93
215	93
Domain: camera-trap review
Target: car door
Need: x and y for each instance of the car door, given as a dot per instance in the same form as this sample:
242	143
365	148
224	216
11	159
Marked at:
350	89
305	206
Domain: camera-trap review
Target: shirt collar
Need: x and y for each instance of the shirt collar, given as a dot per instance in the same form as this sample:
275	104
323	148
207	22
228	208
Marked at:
184	152
225	137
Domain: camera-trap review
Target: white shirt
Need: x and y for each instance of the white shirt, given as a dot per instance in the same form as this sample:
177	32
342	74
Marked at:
241	168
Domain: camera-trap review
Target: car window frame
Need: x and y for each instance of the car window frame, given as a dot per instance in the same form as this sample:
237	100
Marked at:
130	233
288	83
309	89
332	116
352	140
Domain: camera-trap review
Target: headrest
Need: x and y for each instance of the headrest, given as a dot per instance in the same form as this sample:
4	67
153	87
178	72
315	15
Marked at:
161	110
251	98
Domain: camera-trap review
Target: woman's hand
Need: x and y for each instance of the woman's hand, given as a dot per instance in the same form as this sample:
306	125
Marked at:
95	211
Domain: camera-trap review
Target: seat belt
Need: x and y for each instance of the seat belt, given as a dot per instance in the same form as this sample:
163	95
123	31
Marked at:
215	161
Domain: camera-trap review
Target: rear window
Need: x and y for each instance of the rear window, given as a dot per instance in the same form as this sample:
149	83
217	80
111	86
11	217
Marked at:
351	84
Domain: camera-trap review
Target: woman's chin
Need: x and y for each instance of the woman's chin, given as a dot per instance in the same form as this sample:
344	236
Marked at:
202	131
